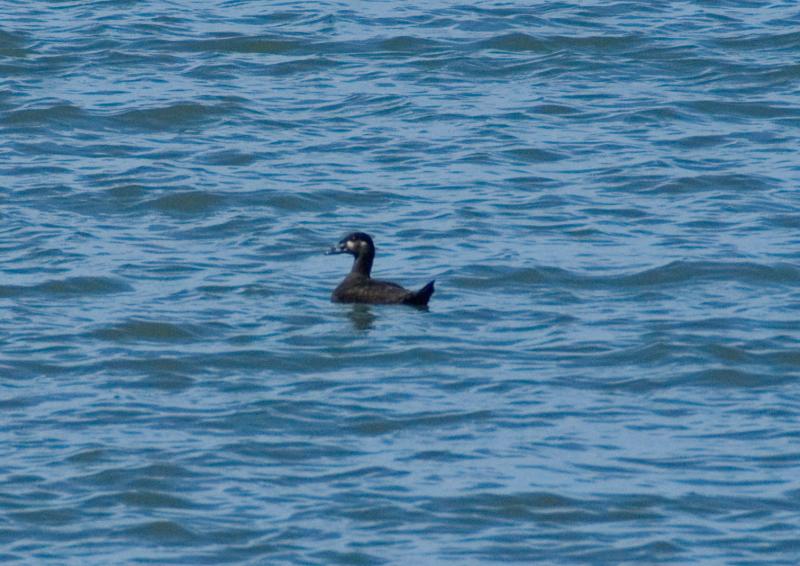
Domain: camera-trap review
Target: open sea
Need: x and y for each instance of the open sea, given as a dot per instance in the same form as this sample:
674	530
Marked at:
606	192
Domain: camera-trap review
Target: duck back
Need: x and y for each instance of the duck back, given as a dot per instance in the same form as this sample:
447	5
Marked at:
359	289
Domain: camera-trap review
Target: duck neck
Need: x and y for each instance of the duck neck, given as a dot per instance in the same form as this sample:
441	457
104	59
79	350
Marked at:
363	263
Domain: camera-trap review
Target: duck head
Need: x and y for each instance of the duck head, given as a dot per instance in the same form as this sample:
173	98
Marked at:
360	246
355	244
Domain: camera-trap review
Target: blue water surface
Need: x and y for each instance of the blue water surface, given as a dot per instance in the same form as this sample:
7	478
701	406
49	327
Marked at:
605	192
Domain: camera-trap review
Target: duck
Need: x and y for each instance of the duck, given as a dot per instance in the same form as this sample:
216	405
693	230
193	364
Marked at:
360	287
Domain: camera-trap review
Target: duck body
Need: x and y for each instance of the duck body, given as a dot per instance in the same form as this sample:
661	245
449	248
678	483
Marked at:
360	287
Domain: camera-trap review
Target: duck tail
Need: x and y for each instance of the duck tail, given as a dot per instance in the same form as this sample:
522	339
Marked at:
422	296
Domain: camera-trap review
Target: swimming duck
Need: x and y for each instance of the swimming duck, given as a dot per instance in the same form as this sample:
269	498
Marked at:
359	287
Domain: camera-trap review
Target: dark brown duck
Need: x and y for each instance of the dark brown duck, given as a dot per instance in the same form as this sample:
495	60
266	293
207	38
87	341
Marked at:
359	287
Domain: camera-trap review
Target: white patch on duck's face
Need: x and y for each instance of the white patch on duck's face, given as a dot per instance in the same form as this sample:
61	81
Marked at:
353	245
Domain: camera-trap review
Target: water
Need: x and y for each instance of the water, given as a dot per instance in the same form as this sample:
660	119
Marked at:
606	194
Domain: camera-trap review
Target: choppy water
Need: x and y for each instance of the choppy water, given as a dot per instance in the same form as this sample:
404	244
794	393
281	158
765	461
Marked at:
606	193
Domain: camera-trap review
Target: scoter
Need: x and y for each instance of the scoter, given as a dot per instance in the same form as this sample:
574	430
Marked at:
359	287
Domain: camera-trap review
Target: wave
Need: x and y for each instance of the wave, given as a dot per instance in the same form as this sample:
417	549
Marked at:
176	115
147	330
50	115
673	273
69	286
185	202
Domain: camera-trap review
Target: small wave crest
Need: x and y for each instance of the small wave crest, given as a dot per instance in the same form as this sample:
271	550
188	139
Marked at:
145	330
673	273
69	286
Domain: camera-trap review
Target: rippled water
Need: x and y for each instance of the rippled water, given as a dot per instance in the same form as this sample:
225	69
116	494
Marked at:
606	194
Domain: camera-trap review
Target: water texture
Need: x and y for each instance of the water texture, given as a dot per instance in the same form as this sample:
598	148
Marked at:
605	192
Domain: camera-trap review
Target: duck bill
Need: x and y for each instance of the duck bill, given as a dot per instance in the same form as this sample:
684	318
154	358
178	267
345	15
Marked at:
336	250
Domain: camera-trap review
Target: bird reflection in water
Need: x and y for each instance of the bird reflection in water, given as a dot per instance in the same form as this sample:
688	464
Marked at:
362	318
